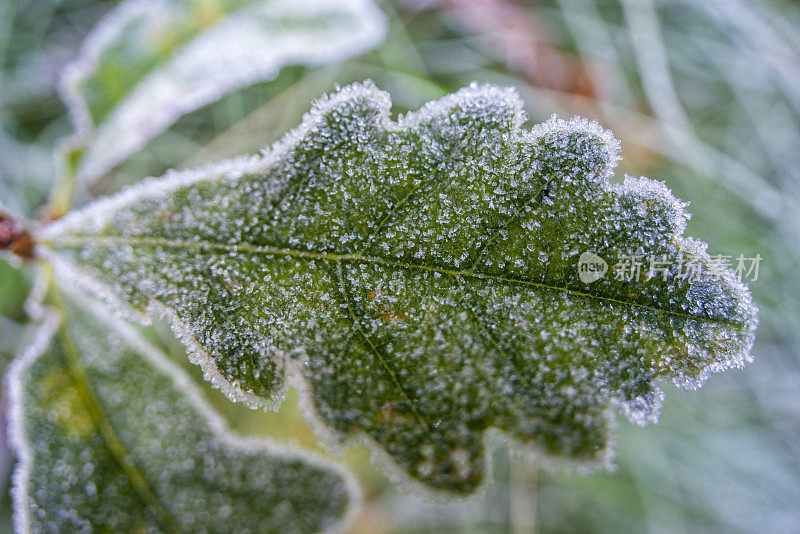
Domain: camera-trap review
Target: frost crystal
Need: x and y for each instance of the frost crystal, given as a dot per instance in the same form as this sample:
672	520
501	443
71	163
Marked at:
172	67
113	437
421	278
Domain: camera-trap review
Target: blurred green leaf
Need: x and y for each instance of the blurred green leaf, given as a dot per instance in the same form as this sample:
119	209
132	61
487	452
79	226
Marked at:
151	61
111	436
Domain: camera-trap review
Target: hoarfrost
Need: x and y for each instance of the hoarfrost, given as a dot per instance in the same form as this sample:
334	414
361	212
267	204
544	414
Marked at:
421	276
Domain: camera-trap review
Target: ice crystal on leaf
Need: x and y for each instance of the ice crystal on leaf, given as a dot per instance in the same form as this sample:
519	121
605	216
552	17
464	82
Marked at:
151	61
420	278
113	437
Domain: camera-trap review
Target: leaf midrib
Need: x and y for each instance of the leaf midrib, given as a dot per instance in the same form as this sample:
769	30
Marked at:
104	425
75	242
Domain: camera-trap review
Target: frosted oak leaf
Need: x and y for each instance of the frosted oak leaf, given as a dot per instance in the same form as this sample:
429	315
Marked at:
419	279
113	437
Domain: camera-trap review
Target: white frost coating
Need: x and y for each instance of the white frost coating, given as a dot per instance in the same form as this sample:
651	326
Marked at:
182	382
95	217
211	373
654	189
491	93
367	90
19	441
638	411
325	103
555	125
650	189
100	38
603	461
246	47
746	304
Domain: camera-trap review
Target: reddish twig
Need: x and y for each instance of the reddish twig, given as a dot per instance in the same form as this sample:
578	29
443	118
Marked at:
15	238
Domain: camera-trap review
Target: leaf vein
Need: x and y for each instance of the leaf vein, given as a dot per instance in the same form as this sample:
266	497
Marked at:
199	246
105	426
515	216
374	348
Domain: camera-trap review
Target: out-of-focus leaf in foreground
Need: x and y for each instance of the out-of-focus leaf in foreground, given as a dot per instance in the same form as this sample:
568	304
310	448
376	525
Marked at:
112	437
151	61
421	276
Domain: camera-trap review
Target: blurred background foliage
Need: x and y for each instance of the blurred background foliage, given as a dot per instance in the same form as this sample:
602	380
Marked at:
704	94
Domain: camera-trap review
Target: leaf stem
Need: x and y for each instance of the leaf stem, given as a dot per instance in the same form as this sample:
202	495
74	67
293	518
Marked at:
64	189
14	238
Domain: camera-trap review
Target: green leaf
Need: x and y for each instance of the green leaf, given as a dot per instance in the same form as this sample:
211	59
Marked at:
151	61
421	279
113	437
